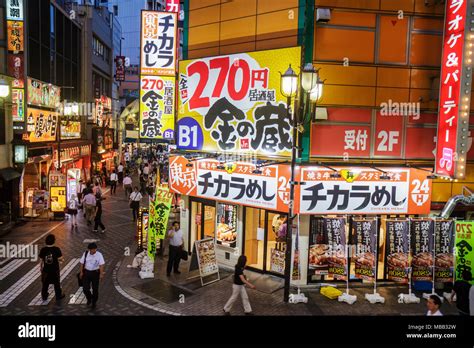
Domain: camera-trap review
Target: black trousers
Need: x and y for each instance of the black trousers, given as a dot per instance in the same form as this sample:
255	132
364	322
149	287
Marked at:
97	223
91	278
173	259
50	278
113	187
120	177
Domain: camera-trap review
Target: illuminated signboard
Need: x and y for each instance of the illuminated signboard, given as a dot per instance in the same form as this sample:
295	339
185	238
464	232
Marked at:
455	91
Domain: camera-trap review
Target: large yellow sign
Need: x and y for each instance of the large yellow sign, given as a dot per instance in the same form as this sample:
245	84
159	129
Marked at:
58	198
157	99
41	125
233	103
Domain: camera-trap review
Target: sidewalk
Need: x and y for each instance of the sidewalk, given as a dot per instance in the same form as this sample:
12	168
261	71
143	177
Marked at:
178	295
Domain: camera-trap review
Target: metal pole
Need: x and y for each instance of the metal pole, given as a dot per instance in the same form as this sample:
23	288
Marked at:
289	232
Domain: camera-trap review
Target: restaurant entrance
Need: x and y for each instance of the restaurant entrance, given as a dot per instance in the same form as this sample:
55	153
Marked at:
264	240
203	220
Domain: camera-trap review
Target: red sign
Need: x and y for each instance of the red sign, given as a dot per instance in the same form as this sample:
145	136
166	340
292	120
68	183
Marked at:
172	6
16	66
452	99
388	136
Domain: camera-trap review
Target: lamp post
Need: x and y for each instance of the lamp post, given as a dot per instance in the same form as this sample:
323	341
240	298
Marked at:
289	87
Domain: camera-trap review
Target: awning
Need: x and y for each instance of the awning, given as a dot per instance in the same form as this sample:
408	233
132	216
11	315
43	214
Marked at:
8	174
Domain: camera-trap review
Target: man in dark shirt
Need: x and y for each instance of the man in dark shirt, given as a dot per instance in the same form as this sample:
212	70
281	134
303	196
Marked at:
50	257
461	289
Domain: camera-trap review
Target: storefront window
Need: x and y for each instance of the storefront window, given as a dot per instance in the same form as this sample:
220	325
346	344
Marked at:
226	225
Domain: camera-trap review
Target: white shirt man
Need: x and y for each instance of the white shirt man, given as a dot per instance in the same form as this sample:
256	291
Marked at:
136	196
90	199
113	177
176	238
120	168
89	203
93	261
92	270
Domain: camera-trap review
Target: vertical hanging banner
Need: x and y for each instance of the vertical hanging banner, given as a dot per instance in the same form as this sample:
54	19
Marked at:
397	250
15	36
464	248
336	232
15	10
365	234
444	250
158	43
422	243
159	211
318	263
157	74
455	91
157	100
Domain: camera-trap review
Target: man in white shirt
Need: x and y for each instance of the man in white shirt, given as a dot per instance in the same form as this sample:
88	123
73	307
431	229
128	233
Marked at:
135	198
89	203
175	236
146	170
92	271
113	182
127	185
120	173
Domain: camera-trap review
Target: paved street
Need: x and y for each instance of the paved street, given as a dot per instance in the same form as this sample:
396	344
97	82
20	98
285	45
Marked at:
20	280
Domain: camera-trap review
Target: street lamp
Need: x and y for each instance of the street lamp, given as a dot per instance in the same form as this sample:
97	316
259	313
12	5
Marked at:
311	85
4	88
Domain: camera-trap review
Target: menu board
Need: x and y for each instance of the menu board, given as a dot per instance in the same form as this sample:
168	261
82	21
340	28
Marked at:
422	244
318	263
58	198
336	232
277	261
398	248
444	250
226	225
365	234
206	255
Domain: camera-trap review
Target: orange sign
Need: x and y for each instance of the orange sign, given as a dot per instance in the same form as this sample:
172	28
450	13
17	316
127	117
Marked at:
41	125
363	191
15	36
353	191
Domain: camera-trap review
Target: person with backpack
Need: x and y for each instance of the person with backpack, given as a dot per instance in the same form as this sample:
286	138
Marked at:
135	198
238	288
92	271
72	206
50	256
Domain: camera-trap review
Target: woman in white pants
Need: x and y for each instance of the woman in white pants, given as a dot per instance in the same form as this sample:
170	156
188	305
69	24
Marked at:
238	288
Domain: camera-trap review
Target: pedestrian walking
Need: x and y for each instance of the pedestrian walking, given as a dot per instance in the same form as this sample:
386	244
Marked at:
120	173
146	170
143	184
104	176
175	236
50	256
98	217
89	204
151	185
97	188
92	271
72	206
433	304
79	190
238	288
127	185
135	198
113	182
461	290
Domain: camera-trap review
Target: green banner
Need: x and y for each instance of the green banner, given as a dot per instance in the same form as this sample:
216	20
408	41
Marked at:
159	213
464	248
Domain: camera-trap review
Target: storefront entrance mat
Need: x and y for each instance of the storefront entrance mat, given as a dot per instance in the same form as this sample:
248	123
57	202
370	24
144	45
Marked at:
163	291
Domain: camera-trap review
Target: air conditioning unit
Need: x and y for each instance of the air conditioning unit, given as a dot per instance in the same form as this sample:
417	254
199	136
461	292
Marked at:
323	15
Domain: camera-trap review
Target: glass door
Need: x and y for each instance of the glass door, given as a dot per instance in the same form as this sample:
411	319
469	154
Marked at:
202	221
276	228
254	247
209	222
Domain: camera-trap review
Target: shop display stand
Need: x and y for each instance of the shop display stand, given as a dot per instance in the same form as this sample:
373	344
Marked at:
375	297
426	295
